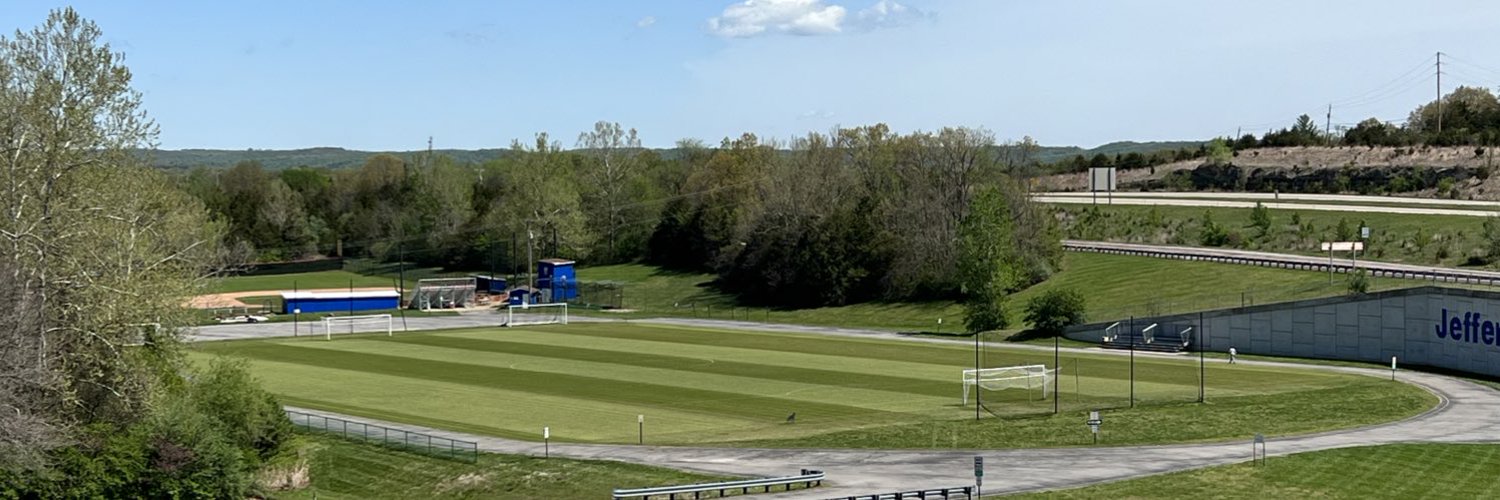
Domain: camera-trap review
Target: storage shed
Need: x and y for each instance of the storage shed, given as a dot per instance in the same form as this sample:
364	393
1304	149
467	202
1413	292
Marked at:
315	302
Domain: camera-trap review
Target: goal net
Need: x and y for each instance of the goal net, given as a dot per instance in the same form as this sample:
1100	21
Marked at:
443	293
373	323
1029	377
537	314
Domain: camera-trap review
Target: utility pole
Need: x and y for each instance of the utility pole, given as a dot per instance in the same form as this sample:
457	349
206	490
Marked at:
1439	92
1328	122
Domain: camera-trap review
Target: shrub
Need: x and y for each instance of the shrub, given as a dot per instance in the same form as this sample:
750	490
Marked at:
1359	282
1212	234
1054	310
248	415
1260	218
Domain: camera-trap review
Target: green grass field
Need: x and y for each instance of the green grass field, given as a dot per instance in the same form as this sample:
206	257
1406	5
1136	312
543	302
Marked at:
1442	240
1389	471
703	386
343	469
1114	286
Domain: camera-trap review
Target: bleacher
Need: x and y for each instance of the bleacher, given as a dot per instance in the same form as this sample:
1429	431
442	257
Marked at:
1148	336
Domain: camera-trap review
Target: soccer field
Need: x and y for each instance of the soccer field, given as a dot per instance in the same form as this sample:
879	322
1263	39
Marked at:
589	381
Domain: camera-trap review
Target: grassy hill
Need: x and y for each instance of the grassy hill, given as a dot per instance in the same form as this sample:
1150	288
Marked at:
1049	154
279	159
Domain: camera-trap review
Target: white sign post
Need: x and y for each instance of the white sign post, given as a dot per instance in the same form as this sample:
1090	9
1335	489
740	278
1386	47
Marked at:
1341	246
1094	423
1260	441
1393	368
546	442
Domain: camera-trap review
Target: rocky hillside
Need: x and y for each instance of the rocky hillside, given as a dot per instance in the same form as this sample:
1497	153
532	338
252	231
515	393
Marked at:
1457	172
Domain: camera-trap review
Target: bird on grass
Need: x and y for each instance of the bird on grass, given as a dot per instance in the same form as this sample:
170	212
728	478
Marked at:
791	419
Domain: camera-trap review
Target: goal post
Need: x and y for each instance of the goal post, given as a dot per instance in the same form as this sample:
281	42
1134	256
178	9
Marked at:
377	321
1029	377
537	314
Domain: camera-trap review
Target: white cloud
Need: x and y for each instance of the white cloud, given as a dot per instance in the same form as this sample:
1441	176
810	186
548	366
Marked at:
645	22
888	14
796	17
809	17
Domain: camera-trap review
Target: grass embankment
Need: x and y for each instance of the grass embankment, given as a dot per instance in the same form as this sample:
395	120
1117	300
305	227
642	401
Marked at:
1114	286
344	469
1439	240
1389	471
705	386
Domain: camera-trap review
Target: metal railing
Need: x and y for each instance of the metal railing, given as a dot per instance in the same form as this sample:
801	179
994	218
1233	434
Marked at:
808	478
416	442
963	492
1148	335
1376	269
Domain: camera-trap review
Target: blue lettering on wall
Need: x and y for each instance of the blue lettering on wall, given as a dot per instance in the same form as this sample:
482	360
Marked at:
1471	328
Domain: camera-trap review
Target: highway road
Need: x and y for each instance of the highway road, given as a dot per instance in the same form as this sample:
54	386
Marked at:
1118	199
1331	198
1341	263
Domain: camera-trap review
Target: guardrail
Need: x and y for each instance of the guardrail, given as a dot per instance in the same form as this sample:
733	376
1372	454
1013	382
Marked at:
1288	261
808	478
963	492
387	436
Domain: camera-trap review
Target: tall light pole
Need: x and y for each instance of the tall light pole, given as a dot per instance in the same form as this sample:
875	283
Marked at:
977	388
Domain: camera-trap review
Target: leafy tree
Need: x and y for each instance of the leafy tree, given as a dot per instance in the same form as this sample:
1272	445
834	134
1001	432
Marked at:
614	188
1260	219
1211	234
1343	231
1054	310
1491	231
96	244
1219	152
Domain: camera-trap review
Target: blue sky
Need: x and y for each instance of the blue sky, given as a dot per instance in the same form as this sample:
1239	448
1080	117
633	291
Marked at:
386	75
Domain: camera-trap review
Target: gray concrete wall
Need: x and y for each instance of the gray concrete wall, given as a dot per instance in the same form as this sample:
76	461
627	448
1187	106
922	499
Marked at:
1416	325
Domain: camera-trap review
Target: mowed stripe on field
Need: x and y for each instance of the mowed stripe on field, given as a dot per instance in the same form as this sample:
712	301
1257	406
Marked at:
720	366
692	373
572	385
472	408
887	356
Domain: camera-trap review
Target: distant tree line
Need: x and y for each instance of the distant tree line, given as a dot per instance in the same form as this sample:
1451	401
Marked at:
857	214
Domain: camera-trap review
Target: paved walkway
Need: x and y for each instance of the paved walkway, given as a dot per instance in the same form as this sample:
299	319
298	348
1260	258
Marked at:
1467	412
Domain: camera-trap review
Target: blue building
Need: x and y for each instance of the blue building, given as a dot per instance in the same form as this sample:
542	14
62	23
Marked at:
316	302
557	280
489	284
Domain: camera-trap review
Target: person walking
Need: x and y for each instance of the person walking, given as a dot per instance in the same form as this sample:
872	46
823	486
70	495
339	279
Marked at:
1232	354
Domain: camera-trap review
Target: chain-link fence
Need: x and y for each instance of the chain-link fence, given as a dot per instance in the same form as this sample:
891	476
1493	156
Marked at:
417	442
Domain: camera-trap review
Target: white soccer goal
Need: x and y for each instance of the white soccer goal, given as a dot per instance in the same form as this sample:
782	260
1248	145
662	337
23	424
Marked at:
347	324
537	314
443	293
1029	377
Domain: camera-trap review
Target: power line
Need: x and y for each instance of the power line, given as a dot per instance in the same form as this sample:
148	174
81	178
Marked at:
1404	78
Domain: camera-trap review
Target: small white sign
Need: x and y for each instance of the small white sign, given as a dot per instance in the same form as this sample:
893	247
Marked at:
1393	362
640	419
1343	246
546	433
297	311
1364	232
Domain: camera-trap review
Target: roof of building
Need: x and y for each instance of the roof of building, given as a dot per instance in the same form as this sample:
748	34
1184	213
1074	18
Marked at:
340	295
557	262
